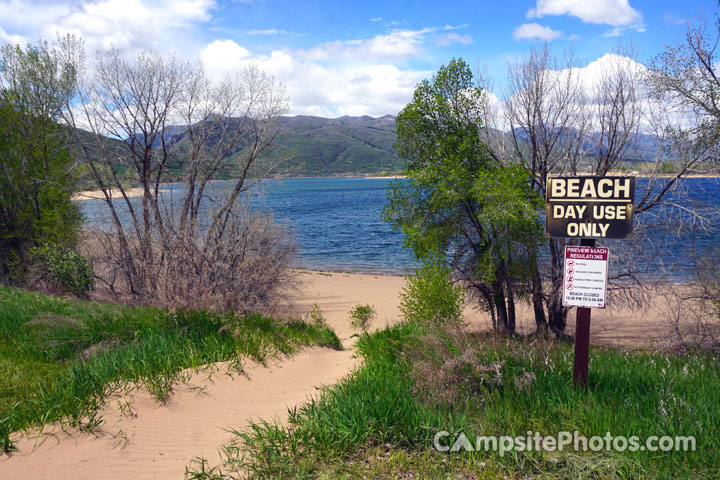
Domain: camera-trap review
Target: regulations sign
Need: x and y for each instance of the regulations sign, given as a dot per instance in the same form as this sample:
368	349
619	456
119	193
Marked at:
589	207
585	277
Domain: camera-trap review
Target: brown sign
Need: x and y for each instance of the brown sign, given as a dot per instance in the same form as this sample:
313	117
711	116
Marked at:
589	207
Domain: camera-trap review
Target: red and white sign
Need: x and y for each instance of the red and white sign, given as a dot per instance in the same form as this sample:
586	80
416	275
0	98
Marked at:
585	279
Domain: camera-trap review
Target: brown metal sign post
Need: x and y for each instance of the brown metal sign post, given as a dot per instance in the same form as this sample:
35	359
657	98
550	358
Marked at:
587	208
582	337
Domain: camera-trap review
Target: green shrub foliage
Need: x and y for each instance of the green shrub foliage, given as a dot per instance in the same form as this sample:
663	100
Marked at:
69	270
362	316
430	296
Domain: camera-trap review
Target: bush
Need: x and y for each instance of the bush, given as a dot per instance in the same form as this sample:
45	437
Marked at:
430	296
316	317
362	316
244	270
69	270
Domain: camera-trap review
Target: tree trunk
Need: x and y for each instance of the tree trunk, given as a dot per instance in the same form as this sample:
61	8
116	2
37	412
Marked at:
510	305
537	294
500	306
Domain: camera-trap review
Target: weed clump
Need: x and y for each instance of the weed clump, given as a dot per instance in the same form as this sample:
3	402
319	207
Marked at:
362	316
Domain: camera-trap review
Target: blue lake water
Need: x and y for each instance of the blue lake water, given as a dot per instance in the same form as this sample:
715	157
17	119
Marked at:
337	223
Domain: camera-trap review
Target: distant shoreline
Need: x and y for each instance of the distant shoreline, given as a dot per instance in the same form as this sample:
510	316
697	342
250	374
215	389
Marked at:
390	177
138	191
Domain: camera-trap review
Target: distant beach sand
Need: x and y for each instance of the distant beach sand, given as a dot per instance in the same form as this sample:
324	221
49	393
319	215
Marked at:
114	193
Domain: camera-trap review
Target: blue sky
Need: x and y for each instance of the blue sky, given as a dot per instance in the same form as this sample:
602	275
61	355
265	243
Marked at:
356	58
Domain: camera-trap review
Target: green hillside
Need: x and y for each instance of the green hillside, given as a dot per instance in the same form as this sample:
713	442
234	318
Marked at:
315	146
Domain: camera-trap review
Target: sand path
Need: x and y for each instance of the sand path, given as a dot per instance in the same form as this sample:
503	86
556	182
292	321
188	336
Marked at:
160	440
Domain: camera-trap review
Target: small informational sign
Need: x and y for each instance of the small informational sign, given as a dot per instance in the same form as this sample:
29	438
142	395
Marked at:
589	207
585	277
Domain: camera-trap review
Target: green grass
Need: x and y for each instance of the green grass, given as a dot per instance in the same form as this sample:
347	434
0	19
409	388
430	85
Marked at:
380	423
61	358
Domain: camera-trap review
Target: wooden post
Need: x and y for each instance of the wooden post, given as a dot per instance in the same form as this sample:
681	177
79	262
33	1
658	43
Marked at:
582	338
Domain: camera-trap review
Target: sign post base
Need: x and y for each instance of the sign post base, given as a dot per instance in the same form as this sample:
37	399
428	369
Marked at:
582	347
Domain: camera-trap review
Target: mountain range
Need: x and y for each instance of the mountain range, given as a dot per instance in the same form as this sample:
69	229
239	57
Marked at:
344	146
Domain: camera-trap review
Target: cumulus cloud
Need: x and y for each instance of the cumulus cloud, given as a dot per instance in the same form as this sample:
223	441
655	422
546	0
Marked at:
125	24
609	12
222	52
351	77
365	76
314	88
535	30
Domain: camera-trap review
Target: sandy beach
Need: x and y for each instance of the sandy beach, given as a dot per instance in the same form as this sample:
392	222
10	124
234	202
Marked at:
114	193
160	440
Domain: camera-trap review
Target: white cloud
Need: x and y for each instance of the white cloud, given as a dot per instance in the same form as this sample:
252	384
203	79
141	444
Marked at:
27	16
609	64
610	12
125	24
451	38
225	52
15	39
350	77
535	30
341	88
398	44
269	31
673	19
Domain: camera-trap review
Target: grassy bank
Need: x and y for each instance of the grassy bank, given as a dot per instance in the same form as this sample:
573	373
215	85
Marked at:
381	421
61	358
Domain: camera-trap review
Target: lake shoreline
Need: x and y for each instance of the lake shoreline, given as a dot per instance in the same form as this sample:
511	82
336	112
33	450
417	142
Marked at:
137	191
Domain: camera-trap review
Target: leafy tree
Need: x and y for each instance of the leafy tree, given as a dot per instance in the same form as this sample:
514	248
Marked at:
36	173
460	200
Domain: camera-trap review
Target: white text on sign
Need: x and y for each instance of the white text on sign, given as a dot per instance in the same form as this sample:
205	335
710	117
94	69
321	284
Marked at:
590	207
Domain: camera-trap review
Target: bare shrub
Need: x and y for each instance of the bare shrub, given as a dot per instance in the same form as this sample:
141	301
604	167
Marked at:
693	311
244	270
189	246
446	367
